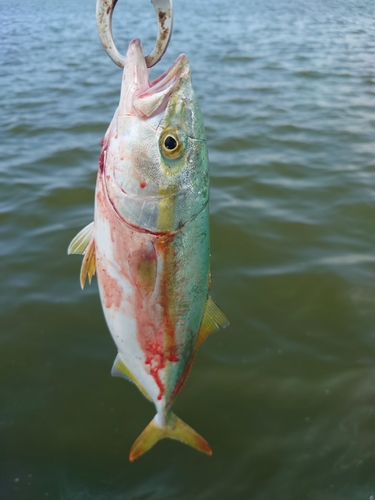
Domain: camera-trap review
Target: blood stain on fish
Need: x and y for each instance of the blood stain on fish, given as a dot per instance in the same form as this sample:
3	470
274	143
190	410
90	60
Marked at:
113	292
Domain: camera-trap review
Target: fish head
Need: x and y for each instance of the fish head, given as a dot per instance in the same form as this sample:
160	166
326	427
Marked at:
155	164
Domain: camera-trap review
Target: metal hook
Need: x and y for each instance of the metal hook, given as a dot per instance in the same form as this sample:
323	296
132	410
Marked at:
164	15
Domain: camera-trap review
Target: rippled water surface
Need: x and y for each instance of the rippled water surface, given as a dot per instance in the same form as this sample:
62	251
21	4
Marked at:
285	395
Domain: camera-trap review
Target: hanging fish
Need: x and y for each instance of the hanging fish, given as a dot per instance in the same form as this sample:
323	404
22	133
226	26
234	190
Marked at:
149	242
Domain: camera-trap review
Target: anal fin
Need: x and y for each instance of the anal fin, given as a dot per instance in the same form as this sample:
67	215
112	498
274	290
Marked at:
120	370
213	319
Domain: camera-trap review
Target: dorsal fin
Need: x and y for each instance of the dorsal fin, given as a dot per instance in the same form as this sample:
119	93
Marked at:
88	264
80	242
213	319
120	370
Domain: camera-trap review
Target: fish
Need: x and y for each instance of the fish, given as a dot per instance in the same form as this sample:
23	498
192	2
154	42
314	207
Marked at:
149	241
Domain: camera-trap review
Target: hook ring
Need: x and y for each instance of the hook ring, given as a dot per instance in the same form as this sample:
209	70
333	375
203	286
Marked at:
164	16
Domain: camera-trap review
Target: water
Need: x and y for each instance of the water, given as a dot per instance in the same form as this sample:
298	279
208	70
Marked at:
286	395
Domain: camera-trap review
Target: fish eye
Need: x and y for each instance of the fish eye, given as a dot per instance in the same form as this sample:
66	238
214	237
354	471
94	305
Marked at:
171	144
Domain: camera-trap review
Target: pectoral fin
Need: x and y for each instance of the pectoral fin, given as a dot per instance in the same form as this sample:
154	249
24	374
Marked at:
83	243
213	319
80	242
88	264
120	370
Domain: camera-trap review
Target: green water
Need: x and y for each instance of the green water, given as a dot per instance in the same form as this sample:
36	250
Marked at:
285	395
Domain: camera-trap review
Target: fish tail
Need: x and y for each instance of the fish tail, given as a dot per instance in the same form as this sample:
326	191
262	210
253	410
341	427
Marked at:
174	428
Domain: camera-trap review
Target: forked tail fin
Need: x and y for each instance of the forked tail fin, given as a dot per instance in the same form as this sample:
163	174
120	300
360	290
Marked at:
175	428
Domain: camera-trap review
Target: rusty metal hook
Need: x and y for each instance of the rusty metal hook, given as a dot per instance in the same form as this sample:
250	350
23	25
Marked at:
164	16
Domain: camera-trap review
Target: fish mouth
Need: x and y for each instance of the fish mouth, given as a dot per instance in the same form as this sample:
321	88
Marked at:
167	81
139	95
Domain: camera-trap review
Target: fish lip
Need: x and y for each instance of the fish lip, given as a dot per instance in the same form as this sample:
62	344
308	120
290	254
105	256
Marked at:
173	72
141	72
